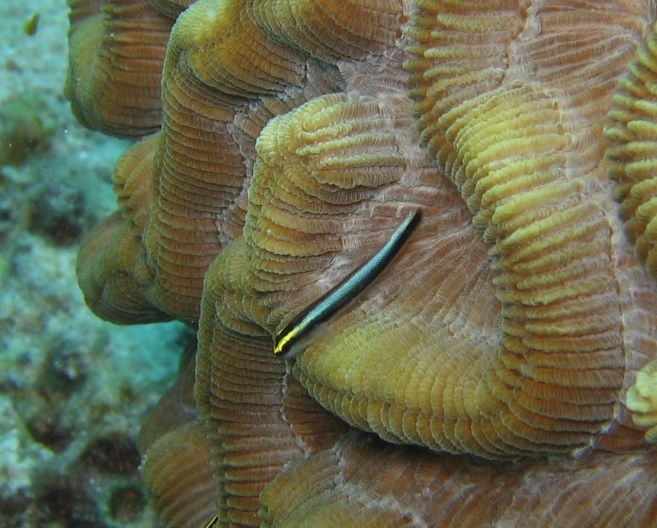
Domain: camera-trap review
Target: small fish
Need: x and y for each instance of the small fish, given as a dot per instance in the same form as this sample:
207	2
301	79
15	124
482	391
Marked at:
300	332
31	25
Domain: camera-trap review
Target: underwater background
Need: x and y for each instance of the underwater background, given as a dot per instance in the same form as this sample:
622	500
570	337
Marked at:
73	389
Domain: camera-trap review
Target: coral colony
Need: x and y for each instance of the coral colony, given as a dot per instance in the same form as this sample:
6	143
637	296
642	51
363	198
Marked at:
500	369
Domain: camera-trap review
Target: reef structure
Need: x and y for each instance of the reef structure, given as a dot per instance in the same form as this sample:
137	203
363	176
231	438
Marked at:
500	370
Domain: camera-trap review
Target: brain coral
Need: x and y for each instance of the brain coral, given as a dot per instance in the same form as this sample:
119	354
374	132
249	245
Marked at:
501	370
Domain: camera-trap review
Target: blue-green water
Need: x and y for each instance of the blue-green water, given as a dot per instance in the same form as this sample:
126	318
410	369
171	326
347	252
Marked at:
73	389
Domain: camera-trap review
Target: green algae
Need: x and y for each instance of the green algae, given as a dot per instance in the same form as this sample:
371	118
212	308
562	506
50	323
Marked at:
24	127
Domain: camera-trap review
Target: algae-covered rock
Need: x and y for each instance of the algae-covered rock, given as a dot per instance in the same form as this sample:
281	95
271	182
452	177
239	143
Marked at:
24	127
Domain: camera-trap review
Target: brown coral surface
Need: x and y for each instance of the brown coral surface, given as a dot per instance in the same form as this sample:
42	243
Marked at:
498	372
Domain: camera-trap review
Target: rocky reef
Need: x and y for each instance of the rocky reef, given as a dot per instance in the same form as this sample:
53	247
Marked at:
73	389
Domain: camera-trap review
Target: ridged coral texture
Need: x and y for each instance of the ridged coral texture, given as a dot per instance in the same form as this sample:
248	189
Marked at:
633	132
516	326
116	53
